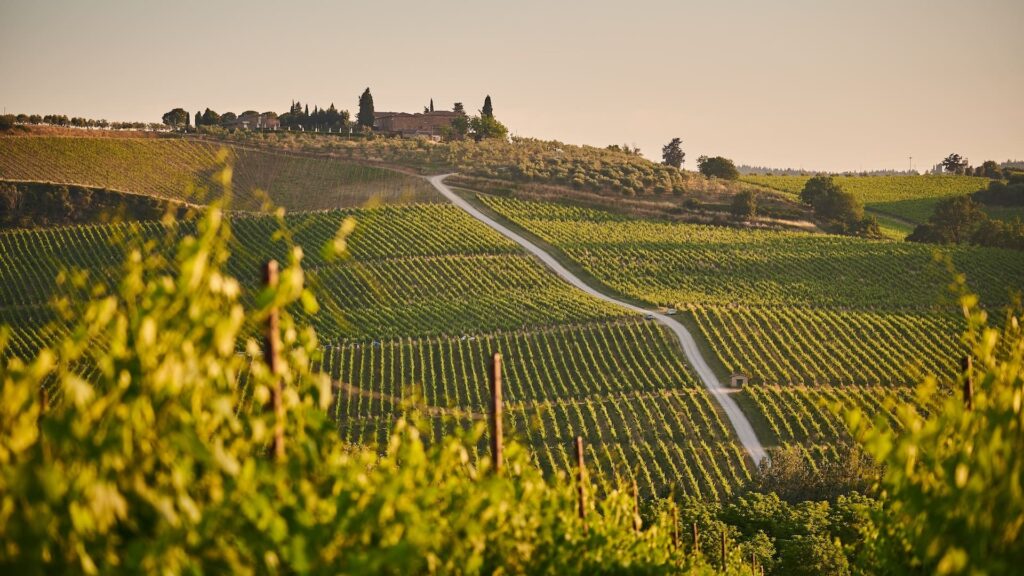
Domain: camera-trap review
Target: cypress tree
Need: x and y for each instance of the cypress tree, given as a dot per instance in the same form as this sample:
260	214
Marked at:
431	104
199	119
365	116
488	110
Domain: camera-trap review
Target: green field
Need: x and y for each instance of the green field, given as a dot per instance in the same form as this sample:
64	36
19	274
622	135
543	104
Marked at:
911	198
1006	213
786	308
172	168
425	297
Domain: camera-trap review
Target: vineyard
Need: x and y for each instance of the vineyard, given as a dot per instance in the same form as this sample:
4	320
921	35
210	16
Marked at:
810	419
788	309
800	414
806	346
413	271
683	264
171	169
622	386
911	198
424	297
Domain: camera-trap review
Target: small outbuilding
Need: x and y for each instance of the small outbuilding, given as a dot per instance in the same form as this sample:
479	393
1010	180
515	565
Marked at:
738	380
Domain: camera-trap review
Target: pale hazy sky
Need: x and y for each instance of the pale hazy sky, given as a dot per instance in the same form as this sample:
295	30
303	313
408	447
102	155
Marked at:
811	83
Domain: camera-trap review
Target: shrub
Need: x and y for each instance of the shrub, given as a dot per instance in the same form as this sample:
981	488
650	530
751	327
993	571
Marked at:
744	205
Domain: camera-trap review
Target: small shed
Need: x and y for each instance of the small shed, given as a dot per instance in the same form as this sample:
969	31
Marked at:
738	380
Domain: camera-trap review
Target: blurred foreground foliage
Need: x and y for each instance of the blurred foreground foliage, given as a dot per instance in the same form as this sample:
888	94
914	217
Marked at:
952	490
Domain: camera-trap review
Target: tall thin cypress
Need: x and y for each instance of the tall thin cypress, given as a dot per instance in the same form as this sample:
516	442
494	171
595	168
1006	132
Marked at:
365	116
487	110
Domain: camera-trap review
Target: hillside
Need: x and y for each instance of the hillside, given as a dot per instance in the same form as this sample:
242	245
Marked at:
176	169
551	168
842	316
909	198
424	299
35	204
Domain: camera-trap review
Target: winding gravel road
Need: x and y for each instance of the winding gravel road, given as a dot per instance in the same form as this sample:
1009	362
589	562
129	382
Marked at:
719	391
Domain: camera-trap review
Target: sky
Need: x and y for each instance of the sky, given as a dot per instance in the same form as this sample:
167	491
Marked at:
815	84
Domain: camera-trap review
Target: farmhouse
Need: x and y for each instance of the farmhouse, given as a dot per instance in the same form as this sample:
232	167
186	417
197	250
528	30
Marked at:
426	124
254	121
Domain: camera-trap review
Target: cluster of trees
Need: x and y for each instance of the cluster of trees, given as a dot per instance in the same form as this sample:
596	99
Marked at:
838	209
809	538
484	126
320	119
961	220
957	164
999	193
8	121
331	119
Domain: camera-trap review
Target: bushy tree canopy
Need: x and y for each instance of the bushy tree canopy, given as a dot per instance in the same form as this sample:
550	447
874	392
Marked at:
487	127
718	167
954	164
839	209
672	153
177	118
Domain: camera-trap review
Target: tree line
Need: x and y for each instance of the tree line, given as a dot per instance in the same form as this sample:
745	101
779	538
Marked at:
331	119
957	164
9	121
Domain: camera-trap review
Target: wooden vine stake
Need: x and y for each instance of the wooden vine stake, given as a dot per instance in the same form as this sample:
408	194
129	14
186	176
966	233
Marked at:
271	353
696	540
637	522
581	475
496	413
967	365
723	548
44	403
675	527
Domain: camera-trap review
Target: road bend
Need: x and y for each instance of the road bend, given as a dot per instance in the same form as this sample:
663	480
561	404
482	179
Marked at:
720	392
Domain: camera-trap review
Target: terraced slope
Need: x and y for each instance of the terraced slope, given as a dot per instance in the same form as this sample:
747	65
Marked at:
181	169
